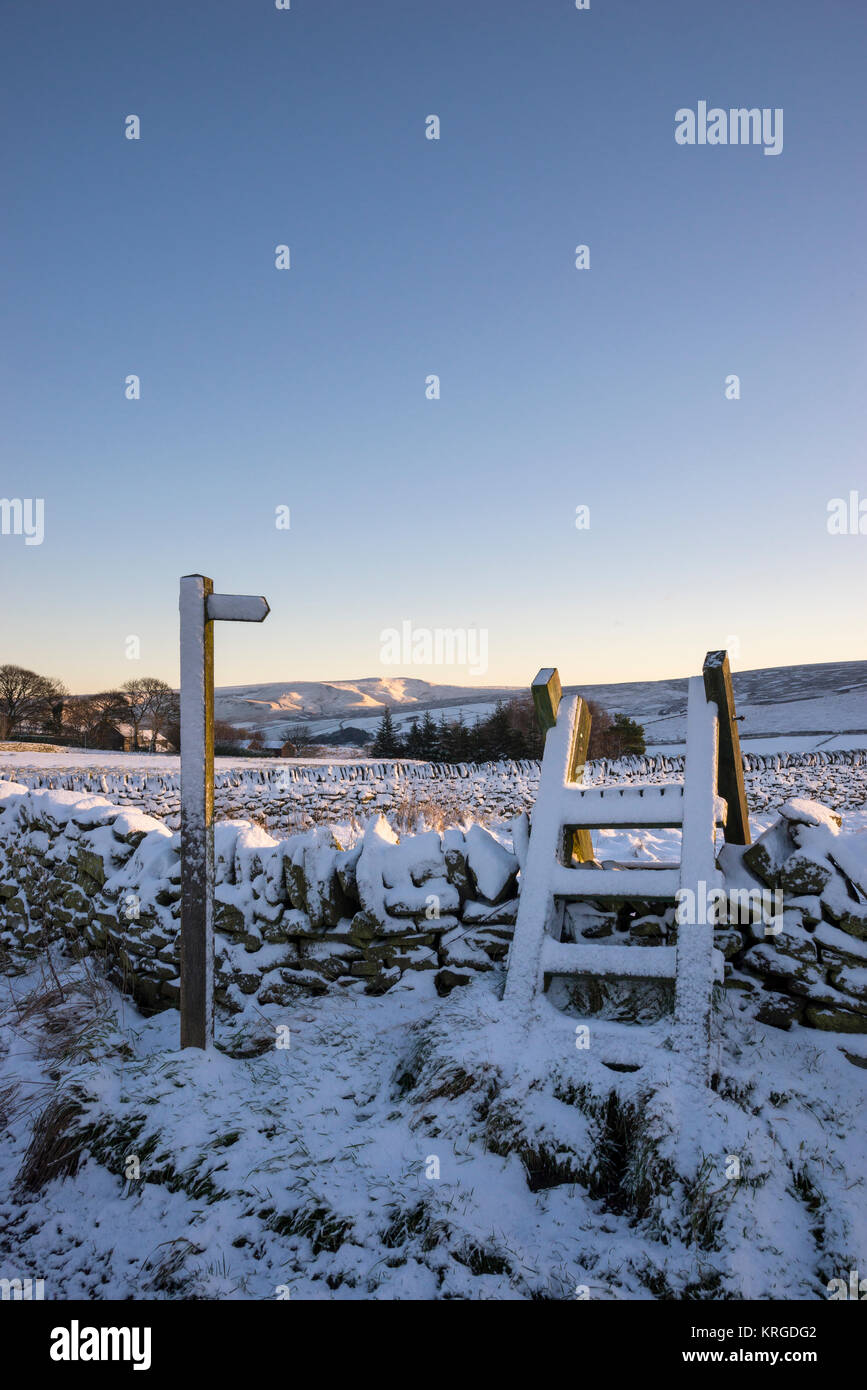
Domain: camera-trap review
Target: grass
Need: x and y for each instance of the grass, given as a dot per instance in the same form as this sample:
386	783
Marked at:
56	1146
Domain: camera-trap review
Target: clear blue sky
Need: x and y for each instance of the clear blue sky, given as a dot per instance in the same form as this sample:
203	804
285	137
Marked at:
410	257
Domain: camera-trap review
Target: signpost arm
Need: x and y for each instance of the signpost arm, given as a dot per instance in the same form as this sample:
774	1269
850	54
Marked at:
197	813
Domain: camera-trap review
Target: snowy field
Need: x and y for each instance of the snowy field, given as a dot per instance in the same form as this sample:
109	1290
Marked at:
408	1146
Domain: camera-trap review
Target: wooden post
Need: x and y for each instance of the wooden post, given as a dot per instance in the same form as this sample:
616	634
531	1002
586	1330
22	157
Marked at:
718	687
547	694
199	608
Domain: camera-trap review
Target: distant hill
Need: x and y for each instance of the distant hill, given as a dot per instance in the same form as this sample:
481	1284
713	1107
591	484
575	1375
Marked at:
812	703
325	706
798	706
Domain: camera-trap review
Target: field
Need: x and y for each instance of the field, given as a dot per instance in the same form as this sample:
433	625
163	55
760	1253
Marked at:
358	1137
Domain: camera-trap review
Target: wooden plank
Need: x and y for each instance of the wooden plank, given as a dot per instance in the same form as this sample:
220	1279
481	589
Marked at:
698	874
652	884
535	905
577	841
718	688
237	608
547	693
606	808
197	813
619	962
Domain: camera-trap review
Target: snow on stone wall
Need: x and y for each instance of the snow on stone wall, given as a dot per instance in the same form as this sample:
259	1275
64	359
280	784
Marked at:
292	798
356	907
292	916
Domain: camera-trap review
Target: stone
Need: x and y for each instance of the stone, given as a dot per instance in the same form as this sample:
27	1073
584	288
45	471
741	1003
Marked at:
346	863
835	1020
729	941
802	875
801	811
854	1058
493	869
490	914
780	1011
364	968
91	870
228	918
769	964
446	980
766	855
455	856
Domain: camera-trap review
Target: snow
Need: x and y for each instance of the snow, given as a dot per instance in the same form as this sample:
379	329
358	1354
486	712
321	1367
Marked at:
308	1167
318	1141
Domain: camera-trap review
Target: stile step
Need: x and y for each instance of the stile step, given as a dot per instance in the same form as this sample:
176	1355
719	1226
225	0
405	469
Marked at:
623	962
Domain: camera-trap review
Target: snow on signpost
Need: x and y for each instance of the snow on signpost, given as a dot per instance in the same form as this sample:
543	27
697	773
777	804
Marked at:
200	608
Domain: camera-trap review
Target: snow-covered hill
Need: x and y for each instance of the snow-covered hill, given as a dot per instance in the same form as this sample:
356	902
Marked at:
327	705
797	708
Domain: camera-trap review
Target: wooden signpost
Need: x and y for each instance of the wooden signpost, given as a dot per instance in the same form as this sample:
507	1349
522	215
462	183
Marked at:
200	608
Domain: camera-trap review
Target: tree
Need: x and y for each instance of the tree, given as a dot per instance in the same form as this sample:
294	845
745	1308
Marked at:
161	707
600	731
299	734
136	706
429	739
386	744
459	742
228	739
612	738
97	720
412	744
26	698
629	734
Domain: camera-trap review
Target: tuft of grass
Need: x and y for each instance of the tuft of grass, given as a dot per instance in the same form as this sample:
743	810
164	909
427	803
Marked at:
414	1223
317	1223
56	1146
480	1260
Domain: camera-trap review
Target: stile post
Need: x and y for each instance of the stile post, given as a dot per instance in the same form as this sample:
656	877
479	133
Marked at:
718	688
547	693
199	608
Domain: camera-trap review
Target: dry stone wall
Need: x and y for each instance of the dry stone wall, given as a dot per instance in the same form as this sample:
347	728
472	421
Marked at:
316	912
291	798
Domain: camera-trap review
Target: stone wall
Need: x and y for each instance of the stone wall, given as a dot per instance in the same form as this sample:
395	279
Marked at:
295	916
316	912
293	797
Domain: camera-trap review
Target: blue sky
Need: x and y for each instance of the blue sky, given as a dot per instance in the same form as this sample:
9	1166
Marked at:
306	387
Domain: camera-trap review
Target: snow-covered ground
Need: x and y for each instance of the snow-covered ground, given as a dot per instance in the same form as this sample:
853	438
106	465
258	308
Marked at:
408	1146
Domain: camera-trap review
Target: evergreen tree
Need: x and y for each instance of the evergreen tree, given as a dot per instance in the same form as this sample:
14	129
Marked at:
386	744
413	745
429	739
629	733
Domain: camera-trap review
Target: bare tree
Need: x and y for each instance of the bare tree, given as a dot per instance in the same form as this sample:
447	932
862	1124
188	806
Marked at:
136	706
97	720
161	707
27	698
